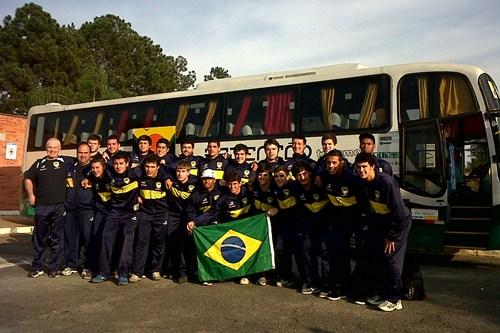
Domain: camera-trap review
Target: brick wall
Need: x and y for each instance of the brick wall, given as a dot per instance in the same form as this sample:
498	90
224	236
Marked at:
12	131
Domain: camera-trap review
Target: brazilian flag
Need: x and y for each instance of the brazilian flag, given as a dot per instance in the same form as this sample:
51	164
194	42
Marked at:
234	249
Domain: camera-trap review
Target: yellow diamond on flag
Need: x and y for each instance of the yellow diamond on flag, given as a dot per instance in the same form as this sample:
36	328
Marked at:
233	249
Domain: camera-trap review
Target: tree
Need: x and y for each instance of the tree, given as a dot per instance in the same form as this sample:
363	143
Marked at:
133	63
40	60
217	73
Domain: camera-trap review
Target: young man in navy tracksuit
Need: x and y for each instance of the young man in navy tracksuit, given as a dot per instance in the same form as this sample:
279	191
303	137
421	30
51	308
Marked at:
151	221
121	219
389	222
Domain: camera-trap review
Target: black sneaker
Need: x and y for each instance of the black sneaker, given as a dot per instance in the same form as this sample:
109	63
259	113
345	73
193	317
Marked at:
181	279
34	273
54	274
306	289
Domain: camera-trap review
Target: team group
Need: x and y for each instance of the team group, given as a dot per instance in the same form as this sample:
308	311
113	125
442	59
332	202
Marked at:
134	214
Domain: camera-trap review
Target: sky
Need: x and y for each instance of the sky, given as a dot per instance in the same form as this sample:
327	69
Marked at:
254	37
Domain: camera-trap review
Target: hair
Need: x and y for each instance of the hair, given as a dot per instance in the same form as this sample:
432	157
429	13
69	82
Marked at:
187	140
365	157
232	177
151	159
263	167
144	138
271	141
82	144
329	136
165	141
241	146
216	141
366	135
281	168
300	166
95	137
112	137
121	155
335	152
183	164
299	137
99	159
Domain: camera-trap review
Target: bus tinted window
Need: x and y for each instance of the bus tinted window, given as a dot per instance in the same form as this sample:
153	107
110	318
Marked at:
432	95
346	105
198	117
263	112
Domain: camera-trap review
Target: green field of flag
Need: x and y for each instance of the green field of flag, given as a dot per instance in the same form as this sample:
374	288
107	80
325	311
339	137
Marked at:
234	249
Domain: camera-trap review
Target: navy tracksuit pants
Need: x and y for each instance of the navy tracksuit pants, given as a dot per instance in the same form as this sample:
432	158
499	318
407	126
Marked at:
77	234
48	232
124	223
149	242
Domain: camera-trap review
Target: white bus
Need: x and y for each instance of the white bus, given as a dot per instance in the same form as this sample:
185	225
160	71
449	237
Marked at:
437	124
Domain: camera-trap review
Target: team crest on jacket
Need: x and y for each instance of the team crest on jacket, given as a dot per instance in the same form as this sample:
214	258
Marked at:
246	172
286	192
219	165
191	188
344	190
56	165
269	199
126	180
244	200
316	196
158	185
193	163
97	187
216	196
377	195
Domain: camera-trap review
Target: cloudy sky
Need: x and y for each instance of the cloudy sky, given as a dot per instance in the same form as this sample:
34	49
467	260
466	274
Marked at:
251	37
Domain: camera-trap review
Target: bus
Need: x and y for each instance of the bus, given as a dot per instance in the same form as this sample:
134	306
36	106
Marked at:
437	124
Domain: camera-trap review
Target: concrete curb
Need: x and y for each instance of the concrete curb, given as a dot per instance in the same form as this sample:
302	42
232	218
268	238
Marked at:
16	230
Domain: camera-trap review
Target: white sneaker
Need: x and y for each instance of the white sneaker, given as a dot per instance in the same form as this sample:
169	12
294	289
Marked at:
375	300
244	281
133	278
68	271
155	276
262	281
389	306
208	284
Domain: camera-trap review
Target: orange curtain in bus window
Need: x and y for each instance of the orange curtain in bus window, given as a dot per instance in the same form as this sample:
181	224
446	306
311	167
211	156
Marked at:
327	96
277	118
148	120
423	97
70	136
242	116
98	123
181	117
212	107
454	96
368	106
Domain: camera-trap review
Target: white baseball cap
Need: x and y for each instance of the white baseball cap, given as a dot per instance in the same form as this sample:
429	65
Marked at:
208	173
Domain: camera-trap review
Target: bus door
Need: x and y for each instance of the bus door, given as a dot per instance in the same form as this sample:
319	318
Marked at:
423	180
469	182
494	121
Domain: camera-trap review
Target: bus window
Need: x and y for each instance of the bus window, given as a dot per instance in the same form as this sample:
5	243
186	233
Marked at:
199	118
432	95
346	105
255	113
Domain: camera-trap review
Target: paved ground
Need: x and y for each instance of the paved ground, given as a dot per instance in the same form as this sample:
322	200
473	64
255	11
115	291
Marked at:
463	296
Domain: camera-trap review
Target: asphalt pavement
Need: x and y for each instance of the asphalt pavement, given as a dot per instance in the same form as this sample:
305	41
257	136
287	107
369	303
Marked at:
463	295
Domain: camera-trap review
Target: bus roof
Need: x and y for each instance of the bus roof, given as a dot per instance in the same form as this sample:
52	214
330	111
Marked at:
272	79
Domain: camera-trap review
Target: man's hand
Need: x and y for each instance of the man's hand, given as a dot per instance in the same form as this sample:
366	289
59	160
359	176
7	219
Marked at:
86	183
273	211
169	183
32	200
389	246
190	226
